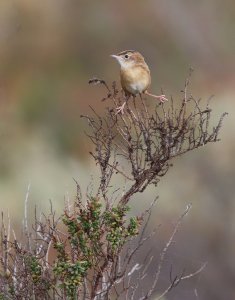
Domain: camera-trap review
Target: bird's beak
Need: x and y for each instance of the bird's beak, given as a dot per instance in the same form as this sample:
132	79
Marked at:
118	58
115	56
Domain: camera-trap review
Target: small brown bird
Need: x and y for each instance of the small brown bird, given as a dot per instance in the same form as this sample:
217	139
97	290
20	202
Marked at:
135	75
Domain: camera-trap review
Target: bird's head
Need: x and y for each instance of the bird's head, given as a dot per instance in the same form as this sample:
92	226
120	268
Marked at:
128	58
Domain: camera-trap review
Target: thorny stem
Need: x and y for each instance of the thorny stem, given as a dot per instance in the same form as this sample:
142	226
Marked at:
145	140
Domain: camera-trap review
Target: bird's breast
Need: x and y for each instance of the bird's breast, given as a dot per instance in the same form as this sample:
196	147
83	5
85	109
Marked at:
136	79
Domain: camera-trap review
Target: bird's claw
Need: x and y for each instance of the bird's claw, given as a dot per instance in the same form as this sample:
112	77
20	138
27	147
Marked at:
120	109
162	98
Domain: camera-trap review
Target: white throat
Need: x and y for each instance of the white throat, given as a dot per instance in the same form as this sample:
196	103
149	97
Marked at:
123	63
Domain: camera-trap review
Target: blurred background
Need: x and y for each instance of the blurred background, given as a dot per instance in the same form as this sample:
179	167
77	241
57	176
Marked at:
48	52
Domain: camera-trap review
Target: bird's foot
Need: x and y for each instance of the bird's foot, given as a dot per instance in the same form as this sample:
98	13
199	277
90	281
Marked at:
162	98
120	109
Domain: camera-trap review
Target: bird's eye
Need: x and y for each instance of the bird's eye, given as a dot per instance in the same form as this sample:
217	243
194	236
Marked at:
126	56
